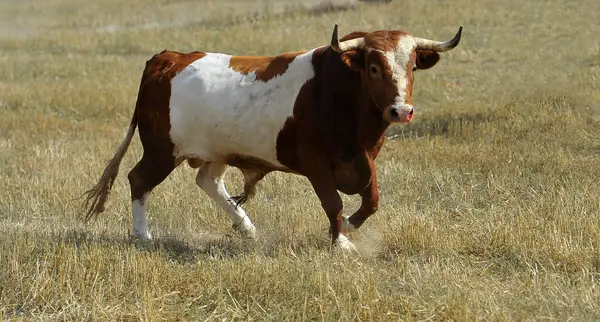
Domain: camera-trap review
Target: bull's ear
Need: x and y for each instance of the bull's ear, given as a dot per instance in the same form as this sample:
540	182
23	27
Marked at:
353	59
427	59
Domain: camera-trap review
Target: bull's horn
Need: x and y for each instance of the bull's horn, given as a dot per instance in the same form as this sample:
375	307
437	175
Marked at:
343	46
438	45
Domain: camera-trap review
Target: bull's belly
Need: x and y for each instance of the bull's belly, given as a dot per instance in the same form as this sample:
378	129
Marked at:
213	137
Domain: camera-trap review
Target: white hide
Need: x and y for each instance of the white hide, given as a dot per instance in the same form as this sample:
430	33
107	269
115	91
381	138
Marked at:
398	60
140	222
210	179
217	111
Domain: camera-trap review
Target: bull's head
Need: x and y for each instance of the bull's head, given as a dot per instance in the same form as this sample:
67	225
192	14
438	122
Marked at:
387	61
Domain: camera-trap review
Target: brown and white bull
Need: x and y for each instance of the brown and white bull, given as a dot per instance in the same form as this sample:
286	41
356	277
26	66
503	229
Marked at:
320	113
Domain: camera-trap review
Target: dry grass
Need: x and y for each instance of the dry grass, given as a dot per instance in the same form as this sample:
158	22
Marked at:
490	202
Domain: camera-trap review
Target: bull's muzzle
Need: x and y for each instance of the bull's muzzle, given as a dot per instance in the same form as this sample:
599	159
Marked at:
399	114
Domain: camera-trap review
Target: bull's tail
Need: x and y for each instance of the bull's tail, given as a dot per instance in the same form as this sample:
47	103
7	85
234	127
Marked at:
97	195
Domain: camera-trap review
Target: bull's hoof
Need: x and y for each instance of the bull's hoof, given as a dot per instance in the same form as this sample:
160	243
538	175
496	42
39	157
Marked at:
247	231
142	235
343	243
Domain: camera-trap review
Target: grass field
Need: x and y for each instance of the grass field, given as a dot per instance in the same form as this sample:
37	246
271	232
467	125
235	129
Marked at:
490	198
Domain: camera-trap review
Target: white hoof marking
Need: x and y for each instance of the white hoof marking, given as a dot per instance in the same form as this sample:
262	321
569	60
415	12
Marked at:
140	222
146	235
344	244
246	229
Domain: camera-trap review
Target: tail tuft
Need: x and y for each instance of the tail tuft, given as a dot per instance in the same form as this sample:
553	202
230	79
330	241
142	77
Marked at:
95	198
97	195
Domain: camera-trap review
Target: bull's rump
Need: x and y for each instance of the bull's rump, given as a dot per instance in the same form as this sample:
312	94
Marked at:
216	111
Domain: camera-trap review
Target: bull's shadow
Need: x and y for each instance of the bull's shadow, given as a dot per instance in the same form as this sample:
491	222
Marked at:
207	246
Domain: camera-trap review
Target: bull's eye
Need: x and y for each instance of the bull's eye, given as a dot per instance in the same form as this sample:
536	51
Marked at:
414	68
374	70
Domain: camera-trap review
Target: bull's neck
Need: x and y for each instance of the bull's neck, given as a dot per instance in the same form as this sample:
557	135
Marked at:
346	109
371	125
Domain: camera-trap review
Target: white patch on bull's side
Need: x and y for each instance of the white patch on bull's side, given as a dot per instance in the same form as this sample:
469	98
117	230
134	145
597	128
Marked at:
398	60
217	111
344	244
140	222
210	179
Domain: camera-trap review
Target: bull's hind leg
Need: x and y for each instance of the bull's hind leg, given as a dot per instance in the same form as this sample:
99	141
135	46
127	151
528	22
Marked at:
146	175
210	179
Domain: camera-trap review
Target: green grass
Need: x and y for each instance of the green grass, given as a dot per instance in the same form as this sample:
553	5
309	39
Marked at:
490	198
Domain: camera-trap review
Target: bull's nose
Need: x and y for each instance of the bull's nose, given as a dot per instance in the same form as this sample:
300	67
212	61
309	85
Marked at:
400	114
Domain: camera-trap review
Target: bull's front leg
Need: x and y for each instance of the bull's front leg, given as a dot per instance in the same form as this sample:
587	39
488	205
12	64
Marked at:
369	203
325	188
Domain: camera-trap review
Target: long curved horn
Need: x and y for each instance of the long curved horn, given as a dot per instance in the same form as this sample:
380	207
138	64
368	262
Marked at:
438	46
343	46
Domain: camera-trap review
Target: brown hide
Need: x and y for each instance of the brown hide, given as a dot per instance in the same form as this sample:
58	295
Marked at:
265	68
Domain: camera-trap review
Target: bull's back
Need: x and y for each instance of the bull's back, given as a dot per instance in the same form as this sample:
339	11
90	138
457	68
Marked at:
216	110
